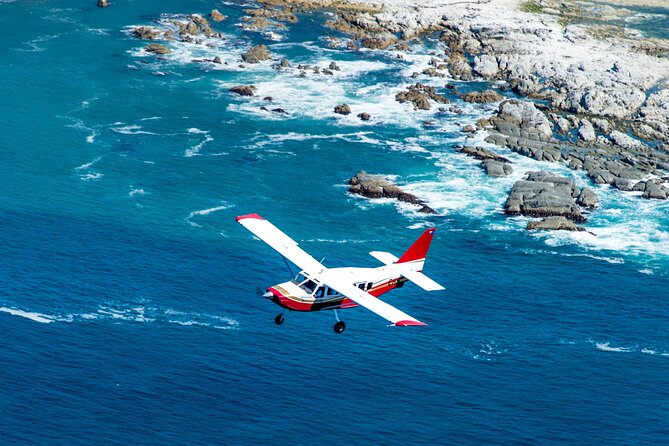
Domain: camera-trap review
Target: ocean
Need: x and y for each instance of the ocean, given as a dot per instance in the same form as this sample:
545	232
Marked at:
130	307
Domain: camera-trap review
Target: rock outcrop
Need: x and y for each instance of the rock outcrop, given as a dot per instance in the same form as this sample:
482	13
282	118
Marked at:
554	224
256	54
378	186
542	194
157	48
103	3
244	90
493	164
481	97
216	16
419	95
342	109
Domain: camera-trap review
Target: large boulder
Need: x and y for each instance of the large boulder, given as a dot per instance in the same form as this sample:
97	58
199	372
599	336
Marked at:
486	66
244	90
342	109
496	168
459	67
157	48
256	54
481	97
542	194
216	16
522	118
378	186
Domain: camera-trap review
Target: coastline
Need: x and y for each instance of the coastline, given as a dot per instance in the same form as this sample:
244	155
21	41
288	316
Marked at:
596	96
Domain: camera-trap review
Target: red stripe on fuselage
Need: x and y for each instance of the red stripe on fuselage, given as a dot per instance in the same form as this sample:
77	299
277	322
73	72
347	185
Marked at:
291	303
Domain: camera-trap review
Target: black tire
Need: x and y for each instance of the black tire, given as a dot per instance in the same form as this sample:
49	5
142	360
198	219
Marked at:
339	327
278	320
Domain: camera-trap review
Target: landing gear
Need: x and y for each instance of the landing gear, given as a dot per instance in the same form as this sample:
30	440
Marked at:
340	326
278	320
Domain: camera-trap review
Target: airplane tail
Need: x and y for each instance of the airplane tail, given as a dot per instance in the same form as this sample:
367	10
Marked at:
418	250
414	258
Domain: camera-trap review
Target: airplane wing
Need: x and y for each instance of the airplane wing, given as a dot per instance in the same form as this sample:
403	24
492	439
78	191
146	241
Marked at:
386	311
280	242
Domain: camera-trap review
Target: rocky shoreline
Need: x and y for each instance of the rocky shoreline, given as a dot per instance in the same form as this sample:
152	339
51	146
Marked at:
593	101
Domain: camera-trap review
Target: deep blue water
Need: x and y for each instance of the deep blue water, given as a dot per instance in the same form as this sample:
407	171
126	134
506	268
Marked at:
129	310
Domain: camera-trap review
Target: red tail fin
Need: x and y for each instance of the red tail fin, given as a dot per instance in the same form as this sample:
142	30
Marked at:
418	250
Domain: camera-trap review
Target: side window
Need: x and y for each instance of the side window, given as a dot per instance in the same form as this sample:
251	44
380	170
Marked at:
369	285
320	292
332	292
361	286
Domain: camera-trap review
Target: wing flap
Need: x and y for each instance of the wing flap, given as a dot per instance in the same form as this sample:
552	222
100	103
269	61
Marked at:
280	242
393	315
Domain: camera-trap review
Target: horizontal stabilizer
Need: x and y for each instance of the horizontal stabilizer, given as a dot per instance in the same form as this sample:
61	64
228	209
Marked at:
384	257
422	281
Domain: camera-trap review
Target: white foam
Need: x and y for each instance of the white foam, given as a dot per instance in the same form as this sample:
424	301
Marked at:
131	130
33	316
195	150
91	176
88	165
606	347
134	192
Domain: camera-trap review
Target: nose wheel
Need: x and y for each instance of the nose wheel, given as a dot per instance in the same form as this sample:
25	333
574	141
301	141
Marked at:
339	327
278	320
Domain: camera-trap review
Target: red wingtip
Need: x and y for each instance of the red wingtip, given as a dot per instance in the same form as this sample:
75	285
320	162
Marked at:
242	217
410	323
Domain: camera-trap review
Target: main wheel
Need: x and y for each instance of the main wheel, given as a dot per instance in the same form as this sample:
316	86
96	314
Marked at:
339	327
278	320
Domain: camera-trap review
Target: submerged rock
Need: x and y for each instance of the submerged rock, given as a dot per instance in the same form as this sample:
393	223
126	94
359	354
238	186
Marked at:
554	224
342	109
157	48
256	54
244	90
378	186
103	3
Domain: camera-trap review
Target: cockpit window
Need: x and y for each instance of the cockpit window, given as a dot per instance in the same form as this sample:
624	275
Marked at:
309	286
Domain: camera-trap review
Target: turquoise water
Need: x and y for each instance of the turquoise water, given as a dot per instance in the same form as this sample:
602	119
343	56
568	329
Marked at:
128	298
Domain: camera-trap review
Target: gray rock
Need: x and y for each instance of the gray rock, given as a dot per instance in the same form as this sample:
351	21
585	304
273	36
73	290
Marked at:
469	129
523	116
459	67
542	194
587	198
285	63
377	186
244	90
333	66
364	116
655	191
157	48
216	16
481	153
256	54
587	132
103	3
481	97
146	33
486	66
419	95
342	109
625	141
563	125
496	168
554	224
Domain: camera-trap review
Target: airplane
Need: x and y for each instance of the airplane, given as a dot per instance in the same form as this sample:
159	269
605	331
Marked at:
318	288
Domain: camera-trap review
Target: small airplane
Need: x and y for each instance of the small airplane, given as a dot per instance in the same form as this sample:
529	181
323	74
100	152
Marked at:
318	288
